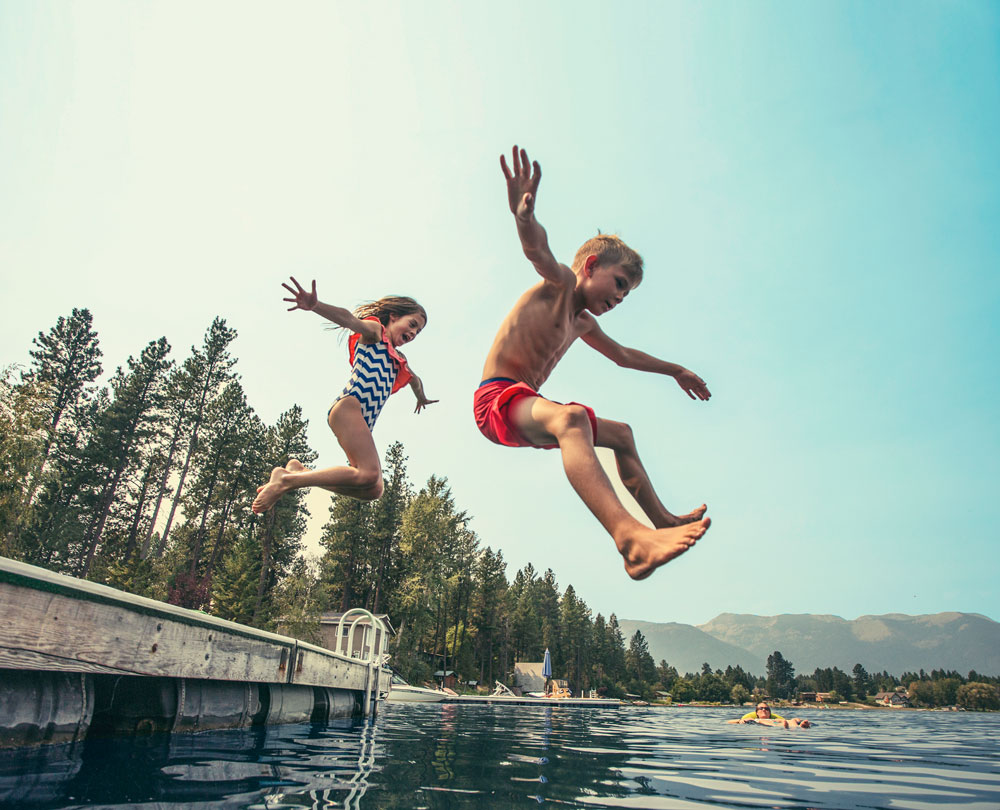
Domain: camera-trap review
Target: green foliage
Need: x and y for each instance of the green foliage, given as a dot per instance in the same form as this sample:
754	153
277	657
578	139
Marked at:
145	484
978	696
299	600
22	456
780	675
639	663
683	691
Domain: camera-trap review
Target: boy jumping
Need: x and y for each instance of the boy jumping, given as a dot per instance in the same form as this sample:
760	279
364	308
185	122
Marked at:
534	336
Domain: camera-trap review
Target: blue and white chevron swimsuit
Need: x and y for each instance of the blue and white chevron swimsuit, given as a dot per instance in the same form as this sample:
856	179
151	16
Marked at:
377	371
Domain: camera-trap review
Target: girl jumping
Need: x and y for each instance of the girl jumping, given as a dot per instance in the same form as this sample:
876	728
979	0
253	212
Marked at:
378	370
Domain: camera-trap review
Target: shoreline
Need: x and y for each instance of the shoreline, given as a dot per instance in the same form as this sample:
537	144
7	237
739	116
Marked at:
824	706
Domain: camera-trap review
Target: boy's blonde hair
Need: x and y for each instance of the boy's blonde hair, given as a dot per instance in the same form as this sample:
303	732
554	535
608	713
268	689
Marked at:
610	249
397	305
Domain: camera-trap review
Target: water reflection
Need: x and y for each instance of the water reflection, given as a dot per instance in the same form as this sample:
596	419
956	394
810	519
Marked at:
446	756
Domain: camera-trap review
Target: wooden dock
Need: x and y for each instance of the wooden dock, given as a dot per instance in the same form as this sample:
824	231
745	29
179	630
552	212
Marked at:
75	654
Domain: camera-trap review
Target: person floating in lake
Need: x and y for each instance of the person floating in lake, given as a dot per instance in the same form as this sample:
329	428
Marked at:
534	336
763	716
378	370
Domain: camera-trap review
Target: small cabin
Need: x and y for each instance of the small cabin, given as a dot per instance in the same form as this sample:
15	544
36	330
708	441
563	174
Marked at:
448	679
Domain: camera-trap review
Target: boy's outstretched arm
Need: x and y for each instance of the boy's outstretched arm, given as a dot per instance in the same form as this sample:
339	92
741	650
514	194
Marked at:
522	191
301	299
692	385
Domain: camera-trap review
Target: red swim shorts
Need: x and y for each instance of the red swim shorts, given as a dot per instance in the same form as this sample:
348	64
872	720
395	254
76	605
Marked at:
491	405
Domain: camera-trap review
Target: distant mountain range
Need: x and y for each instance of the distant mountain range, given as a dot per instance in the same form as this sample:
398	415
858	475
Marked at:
894	642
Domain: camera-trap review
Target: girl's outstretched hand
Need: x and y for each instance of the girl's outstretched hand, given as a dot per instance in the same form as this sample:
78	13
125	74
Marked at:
417	386
300	298
423	403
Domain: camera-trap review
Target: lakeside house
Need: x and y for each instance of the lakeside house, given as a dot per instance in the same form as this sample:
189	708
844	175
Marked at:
897	700
447	678
814	697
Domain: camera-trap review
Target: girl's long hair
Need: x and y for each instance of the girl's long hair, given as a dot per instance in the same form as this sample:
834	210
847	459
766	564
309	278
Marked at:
390	305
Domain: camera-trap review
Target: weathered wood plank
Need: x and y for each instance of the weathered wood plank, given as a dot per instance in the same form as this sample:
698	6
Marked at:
51	621
140	644
315	666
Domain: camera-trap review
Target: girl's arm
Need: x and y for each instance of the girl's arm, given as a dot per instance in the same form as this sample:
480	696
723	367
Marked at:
370	331
418	391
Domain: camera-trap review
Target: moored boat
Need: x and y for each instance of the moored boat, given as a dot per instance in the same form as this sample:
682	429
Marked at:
403	692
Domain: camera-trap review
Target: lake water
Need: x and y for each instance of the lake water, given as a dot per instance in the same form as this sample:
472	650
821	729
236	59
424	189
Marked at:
480	756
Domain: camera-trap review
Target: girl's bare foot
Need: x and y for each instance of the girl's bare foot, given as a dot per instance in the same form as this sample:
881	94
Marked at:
268	495
645	550
683	520
293	465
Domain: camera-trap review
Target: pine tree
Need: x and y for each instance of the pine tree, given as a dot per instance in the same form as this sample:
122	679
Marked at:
616	650
23	433
781	675
65	362
639	663
386	524
206	371
433	546
119	433
221	452
345	538
575	629
488	613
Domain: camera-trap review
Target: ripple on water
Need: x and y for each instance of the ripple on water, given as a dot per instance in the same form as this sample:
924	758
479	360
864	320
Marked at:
447	756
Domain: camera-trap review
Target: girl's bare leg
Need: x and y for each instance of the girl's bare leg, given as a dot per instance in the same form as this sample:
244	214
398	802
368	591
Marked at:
643	549
618	437
361	480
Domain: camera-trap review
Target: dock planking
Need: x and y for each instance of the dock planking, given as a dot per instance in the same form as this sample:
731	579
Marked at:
55	622
191	670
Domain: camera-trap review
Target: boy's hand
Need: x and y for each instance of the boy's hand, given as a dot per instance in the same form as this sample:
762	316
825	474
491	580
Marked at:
522	183
693	385
300	298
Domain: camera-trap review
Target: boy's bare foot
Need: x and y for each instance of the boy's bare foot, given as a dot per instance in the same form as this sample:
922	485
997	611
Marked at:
645	550
268	494
690	517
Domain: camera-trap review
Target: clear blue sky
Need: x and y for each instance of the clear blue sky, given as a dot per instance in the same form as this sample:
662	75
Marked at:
815	188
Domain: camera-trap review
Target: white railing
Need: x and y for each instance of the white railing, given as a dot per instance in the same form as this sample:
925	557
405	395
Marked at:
374	646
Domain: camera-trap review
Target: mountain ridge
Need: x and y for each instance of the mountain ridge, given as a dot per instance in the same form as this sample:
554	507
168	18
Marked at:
893	642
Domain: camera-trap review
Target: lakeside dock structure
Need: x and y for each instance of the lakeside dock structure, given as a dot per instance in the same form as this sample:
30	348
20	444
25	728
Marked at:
79	658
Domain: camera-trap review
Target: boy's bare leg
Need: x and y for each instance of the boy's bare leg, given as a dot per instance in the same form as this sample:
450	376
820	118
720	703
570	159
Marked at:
618	437
361	480
643	549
